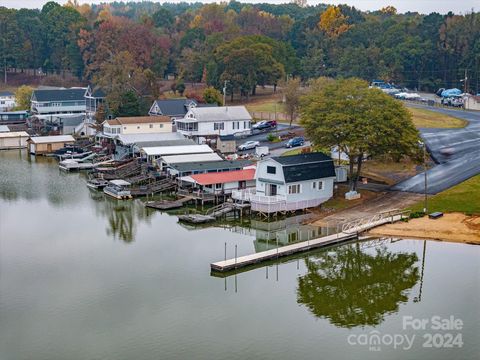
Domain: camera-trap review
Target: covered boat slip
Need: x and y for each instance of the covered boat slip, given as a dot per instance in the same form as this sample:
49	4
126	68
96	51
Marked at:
156	152
166	161
43	145
13	140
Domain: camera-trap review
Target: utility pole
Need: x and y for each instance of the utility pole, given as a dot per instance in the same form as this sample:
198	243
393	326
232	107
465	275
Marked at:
425	209
465	82
5	60
225	93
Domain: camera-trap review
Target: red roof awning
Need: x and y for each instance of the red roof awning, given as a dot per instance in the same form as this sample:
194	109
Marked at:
224	177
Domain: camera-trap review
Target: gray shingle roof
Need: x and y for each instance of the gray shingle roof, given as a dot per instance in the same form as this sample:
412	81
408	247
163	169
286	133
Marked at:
307	166
174	107
212	165
6	93
59	95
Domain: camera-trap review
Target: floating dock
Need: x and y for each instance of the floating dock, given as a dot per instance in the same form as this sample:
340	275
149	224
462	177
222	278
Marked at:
349	231
168	204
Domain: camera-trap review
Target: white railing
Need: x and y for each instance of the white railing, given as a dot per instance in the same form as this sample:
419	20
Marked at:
365	223
252	196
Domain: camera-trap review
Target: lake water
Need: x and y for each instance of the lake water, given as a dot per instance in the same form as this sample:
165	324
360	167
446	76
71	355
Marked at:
87	277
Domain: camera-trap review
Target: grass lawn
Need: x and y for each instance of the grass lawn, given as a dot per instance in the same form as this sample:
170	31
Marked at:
270	105
292	152
464	198
387	171
430	119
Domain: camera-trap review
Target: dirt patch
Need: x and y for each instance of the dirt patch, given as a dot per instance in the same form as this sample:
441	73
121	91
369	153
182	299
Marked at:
454	227
375	204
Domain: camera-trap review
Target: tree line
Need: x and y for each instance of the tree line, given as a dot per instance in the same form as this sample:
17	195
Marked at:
129	46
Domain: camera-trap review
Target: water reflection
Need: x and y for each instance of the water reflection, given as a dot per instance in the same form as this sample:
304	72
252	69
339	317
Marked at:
123	216
353	286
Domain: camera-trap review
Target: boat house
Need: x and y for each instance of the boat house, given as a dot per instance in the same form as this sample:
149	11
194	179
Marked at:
157	152
290	183
42	145
221	183
13	140
189	168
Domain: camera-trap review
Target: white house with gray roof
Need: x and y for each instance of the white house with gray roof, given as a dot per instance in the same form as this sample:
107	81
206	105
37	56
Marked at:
55	104
7	100
289	183
215	121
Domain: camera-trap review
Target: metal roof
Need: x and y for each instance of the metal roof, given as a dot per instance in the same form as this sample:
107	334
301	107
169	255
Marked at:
176	150
52	139
176	159
212	165
141	144
119	182
128	139
224	177
73	94
6	93
157	119
223	113
14	134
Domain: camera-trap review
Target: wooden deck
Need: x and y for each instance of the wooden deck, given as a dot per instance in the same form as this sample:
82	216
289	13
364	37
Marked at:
343	236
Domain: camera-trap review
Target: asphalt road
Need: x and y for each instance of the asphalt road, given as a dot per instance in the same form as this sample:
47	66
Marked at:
460	165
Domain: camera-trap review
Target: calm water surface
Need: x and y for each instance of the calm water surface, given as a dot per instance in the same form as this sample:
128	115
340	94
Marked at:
86	277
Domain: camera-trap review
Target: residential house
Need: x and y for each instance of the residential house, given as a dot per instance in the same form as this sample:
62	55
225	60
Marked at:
7	100
136	125
222	182
56	104
41	145
94	97
290	183
215	121
173	108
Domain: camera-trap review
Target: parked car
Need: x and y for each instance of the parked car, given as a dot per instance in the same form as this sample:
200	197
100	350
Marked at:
248	145
265	125
296	141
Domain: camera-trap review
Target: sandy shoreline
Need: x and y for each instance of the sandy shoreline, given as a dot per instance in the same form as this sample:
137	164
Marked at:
453	227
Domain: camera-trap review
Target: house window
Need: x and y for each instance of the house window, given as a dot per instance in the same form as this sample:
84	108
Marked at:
124	128
294	189
218	186
218	126
314	185
151	126
138	127
320	185
161	126
317	185
271	170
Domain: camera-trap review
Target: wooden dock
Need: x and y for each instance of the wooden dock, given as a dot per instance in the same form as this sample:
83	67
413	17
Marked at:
168	204
349	231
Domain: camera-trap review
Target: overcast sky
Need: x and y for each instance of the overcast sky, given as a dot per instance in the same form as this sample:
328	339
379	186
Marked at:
422	6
